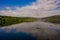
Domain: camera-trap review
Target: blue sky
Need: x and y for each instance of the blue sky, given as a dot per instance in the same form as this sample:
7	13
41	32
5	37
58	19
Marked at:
15	2
12	3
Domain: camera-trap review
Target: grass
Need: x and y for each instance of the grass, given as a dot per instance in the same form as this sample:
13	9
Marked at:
8	20
52	19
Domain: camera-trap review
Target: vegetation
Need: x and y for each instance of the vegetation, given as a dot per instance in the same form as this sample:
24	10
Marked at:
8	20
52	19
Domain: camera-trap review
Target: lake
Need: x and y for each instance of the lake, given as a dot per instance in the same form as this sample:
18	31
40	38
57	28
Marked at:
31	31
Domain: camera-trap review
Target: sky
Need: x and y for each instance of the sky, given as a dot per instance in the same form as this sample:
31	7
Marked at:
12	3
29	8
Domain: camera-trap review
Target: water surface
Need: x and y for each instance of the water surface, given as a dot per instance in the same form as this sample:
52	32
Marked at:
32	31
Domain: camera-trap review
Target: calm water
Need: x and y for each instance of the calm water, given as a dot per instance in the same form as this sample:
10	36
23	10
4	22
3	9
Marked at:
16	36
25	31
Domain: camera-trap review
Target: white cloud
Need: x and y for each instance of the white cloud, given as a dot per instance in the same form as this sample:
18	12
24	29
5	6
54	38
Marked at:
37	9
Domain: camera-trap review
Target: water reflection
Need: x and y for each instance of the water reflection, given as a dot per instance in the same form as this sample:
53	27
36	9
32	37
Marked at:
16	36
31	31
12	34
58	32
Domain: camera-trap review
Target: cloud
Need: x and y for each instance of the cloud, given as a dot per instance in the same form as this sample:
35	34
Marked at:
40	8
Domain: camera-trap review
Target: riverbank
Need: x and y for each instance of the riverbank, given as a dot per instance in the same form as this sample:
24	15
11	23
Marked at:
8	20
52	19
